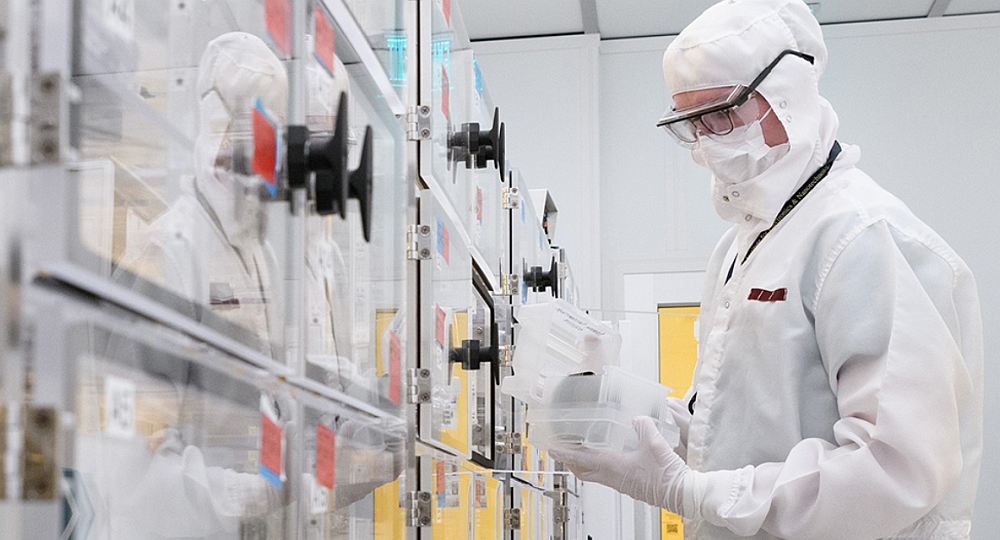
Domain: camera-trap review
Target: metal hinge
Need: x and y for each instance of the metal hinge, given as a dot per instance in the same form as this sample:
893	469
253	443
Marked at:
511	198
46	114
510	285
558	482
561	268
418	509
418	123
40	470
560	514
419	384
418	242
511	519
505	353
507	443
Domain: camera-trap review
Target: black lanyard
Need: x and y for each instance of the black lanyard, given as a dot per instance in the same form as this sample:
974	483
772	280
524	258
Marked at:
791	203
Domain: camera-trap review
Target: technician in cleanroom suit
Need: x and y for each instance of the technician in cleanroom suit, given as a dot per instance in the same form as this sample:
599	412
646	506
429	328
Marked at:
210	246
838	392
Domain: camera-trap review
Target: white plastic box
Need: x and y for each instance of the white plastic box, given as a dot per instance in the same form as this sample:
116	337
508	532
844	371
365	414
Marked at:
596	412
557	339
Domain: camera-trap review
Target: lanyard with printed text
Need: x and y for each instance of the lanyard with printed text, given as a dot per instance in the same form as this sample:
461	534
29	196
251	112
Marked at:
798	196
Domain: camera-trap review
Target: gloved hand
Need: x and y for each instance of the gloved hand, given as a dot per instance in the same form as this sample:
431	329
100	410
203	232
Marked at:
653	473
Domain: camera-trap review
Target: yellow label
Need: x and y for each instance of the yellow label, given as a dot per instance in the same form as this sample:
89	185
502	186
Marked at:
678	355
450	523
458	438
459	329
383	318
390	519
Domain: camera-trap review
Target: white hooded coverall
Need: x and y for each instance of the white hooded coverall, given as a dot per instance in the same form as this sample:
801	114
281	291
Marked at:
849	407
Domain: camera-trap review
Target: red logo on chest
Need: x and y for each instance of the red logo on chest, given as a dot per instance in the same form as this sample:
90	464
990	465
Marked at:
768	296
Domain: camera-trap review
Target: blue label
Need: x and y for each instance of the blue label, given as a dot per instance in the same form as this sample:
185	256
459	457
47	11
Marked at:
522	210
440	237
524	292
270	476
479	77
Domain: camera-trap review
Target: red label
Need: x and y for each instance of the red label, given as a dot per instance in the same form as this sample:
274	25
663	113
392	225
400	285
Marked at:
445	94
445	246
270	445
768	296
264	148
479	204
325	43
446	7
440	477
395	351
277	19
440	326
326	456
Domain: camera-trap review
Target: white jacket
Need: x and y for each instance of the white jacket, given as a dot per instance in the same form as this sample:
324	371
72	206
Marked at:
856	396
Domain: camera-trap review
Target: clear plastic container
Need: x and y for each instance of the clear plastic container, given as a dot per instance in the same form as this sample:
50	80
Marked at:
596	412
557	339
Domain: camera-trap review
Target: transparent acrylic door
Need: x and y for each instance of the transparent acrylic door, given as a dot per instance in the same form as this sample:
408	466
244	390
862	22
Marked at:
177	183
451	500
355	286
446	305
384	24
349	457
486	220
452	83
164	445
487	506
533	247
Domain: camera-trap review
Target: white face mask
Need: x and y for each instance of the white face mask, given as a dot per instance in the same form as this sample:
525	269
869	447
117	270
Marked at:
739	156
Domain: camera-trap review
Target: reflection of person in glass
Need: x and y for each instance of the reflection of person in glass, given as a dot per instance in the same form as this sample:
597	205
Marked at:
210	246
328	336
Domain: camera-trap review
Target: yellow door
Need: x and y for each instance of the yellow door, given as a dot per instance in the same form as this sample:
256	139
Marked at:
678	354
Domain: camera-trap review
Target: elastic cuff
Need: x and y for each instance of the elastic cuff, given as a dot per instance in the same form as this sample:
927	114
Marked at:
707	495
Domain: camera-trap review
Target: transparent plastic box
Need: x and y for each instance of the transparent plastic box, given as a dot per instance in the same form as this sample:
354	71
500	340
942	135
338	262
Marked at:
557	339
596	412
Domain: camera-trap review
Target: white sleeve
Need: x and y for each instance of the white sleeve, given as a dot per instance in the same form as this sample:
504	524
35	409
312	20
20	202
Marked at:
682	419
886	324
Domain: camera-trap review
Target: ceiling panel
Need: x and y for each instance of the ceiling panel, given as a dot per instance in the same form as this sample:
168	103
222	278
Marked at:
961	7
490	19
633	18
837	11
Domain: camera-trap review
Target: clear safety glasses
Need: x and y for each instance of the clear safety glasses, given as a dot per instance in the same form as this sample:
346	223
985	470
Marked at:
720	116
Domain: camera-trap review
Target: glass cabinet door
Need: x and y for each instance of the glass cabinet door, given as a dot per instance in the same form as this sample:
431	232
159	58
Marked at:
348	458
486	218
446	307
178	180
356	266
167	439
451	159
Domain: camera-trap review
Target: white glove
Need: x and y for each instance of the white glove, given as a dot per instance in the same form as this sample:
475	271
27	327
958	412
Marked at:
653	473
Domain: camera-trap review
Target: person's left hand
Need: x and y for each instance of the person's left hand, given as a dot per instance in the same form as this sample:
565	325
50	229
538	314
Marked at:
653	473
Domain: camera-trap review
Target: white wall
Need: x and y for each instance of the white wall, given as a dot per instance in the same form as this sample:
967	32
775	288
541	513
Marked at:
547	93
919	97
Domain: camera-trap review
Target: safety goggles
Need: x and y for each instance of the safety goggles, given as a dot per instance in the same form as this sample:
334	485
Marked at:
720	116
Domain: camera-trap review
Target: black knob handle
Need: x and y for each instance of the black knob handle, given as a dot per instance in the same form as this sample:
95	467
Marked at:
329	160
469	355
540	280
477	148
360	184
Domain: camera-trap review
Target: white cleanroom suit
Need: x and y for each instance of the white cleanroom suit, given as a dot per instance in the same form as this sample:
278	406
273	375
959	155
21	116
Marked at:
210	246
838	392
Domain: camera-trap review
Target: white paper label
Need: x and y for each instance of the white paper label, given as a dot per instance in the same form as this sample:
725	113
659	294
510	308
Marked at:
119	407
319	496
